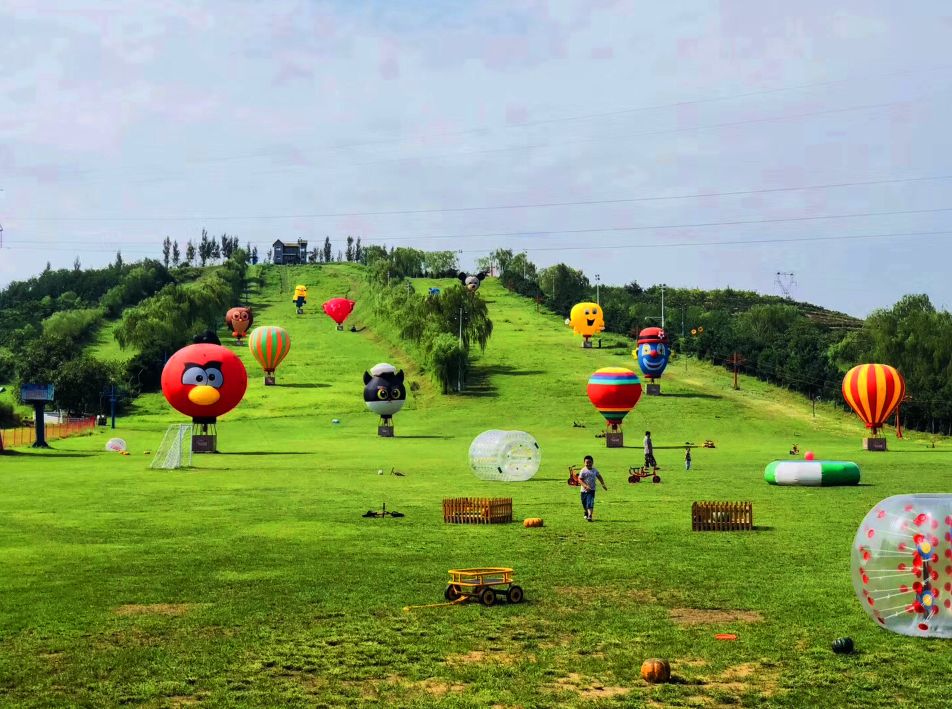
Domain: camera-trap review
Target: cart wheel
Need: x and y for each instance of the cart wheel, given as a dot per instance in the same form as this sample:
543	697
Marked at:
487	597
515	594
451	593
634	479
656	479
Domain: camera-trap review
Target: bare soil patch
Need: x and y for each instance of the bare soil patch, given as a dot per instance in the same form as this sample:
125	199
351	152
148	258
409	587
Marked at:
711	616
156	609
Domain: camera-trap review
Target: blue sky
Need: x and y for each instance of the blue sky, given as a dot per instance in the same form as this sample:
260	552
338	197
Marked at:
121	123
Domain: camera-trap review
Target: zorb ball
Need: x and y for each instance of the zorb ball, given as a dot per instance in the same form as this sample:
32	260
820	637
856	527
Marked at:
116	445
508	456
902	565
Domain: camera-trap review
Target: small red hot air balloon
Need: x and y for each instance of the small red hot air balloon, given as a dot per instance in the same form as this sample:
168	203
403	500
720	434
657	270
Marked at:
338	309
873	391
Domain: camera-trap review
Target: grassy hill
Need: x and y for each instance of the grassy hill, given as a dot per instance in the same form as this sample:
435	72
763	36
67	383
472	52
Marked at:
252	579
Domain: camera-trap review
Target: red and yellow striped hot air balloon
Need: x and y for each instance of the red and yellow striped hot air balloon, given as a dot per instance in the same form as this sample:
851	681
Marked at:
873	391
269	344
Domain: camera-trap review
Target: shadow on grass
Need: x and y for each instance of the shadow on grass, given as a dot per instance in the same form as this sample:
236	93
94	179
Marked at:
444	438
480	383
684	395
309	385
47	453
266	453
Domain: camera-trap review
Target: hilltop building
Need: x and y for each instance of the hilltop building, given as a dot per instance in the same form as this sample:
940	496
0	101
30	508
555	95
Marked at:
286	254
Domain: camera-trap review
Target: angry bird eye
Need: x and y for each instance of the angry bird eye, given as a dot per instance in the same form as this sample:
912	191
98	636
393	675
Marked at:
213	377
382	393
394	393
194	376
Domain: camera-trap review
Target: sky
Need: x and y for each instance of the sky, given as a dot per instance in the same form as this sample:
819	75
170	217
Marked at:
645	141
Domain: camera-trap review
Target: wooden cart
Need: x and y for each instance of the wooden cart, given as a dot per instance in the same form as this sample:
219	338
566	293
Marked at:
482	584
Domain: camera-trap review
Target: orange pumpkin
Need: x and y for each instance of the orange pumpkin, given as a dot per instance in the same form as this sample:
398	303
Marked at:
656	671
532	522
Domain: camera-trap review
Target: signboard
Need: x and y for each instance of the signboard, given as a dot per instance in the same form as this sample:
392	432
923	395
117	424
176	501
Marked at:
36	392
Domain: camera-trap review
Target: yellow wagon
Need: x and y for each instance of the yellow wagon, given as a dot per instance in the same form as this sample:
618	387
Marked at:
483	584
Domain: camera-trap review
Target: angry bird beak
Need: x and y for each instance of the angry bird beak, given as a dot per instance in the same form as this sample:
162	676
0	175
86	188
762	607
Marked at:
203	395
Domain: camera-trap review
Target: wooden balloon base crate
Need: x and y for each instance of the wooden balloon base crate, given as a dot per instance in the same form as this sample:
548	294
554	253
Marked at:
722	516
477	510
614	439
874	444
653	389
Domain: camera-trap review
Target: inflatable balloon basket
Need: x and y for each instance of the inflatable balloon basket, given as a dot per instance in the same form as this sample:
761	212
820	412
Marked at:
874	444
269	378
652	388
385	427
614	436
204	437
586	342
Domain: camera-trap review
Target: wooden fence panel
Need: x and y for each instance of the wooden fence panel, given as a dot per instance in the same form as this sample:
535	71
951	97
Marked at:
720	516
477	510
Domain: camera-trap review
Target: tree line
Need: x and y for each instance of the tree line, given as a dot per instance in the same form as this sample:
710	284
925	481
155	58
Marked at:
799	346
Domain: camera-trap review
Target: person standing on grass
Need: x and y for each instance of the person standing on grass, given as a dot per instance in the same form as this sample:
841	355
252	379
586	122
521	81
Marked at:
650	461
687	458
588	476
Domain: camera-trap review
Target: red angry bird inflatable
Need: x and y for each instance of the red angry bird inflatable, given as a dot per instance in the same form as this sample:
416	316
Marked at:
204	382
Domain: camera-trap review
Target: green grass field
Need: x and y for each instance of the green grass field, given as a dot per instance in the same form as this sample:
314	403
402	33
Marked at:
252	579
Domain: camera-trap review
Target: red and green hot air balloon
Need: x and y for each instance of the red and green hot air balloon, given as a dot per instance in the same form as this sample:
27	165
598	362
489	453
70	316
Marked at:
614	391
873	391
269	344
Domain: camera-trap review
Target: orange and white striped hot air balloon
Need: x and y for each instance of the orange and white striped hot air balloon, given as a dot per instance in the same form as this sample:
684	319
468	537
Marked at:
873	391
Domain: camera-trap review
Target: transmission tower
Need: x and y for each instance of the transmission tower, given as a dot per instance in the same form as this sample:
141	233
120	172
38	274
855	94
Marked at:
786	282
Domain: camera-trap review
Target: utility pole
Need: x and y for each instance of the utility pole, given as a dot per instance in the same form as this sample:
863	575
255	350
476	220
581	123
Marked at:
598	280
525	259
785	281
459	368
662	306
736	359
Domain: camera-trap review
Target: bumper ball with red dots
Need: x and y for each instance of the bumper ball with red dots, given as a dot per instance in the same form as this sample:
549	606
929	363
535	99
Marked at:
902	565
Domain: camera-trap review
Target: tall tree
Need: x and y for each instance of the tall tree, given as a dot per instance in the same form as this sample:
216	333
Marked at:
190	253
77	266
204	248
328	254
349	252
214	249
358	251
166	251
176	254
117	264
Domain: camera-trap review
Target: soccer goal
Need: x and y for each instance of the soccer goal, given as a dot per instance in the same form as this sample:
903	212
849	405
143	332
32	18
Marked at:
175	451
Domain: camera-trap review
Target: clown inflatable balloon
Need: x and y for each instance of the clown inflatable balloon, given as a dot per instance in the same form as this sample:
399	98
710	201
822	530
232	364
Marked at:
614	391
204	382
587	319
239	320
338	309
384	394
901	565
873	391
269	345
652	353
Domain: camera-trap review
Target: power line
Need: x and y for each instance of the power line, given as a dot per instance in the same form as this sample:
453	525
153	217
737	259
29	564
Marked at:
481	208
589	230
561	119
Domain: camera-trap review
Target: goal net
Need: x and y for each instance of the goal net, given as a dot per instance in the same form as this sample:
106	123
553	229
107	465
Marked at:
175	451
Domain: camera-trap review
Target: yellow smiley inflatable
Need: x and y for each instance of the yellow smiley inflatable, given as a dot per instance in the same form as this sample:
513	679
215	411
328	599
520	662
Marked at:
587	319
